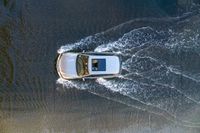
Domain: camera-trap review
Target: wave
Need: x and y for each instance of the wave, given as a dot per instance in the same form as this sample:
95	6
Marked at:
160	66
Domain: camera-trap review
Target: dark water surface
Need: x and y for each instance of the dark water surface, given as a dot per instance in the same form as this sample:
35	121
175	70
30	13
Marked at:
158	91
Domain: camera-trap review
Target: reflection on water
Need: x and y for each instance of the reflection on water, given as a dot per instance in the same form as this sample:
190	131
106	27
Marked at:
159	87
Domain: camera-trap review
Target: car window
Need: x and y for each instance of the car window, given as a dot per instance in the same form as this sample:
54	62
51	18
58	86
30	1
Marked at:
82	65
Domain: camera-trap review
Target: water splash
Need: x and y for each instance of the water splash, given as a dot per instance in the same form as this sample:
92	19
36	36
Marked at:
155	75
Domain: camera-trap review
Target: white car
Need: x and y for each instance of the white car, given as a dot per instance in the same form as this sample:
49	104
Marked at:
88	65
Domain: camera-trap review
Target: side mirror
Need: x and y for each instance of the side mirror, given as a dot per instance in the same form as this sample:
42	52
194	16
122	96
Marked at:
83	79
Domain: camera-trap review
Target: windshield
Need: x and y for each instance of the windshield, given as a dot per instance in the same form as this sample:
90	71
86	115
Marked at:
82	65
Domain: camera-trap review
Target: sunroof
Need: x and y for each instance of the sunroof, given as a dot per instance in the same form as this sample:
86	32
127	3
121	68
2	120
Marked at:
98	64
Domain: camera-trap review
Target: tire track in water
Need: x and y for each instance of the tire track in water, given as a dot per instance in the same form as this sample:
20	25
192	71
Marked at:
168	69
164	85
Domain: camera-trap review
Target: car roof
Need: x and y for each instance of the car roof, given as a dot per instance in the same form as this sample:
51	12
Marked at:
103	64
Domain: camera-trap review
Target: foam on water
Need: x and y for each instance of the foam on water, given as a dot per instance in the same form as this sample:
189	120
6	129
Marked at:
154	71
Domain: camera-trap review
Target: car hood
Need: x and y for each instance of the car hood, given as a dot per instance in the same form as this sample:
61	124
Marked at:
67	65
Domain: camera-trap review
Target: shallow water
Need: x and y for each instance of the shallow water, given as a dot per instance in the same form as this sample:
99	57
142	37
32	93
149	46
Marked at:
158	90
